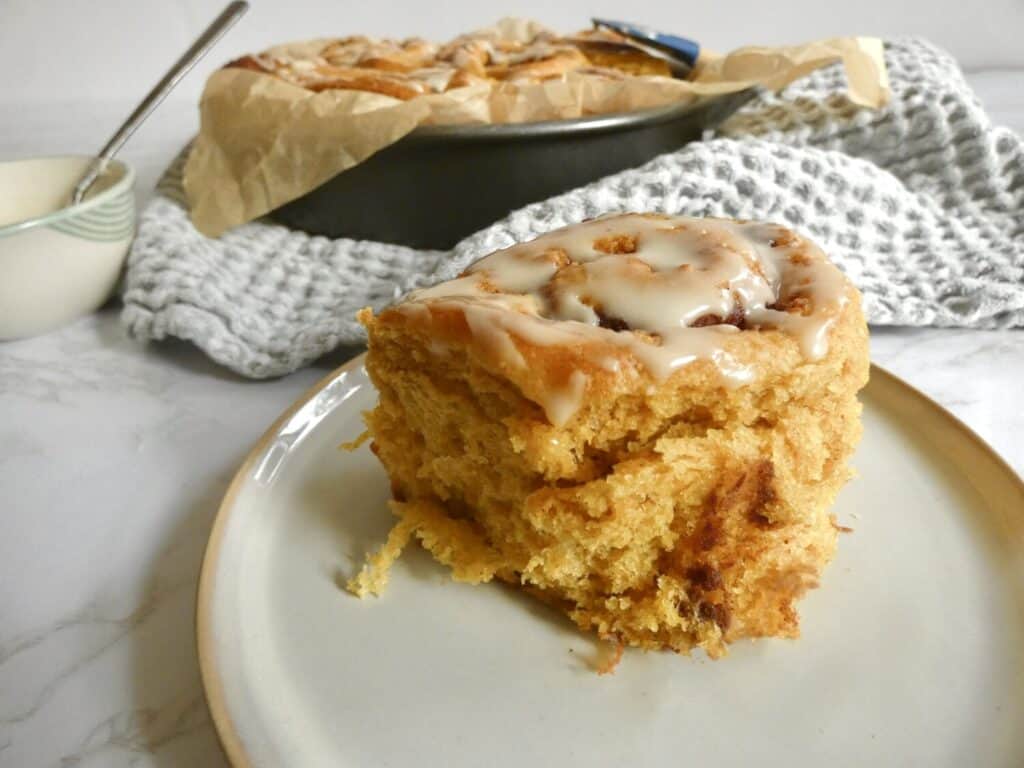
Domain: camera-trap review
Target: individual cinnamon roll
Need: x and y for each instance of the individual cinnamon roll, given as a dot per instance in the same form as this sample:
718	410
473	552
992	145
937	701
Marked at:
641	419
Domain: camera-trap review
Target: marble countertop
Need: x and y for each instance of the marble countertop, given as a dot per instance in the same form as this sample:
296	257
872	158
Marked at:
114	456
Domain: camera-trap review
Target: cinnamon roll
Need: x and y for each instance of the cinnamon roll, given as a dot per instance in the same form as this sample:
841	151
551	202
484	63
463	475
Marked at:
410	68
642	420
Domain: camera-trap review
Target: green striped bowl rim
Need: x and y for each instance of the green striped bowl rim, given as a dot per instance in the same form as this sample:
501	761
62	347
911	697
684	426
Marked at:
119	187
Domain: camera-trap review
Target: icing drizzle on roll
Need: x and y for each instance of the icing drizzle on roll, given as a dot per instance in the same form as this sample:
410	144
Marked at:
667	288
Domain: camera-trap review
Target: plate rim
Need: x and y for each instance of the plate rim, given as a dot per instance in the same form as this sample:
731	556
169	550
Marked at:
213	690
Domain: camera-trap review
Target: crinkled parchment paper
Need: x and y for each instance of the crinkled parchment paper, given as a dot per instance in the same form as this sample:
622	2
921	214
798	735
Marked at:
264	142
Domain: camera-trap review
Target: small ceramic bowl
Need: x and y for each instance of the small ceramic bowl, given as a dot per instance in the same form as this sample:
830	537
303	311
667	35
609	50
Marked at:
59	261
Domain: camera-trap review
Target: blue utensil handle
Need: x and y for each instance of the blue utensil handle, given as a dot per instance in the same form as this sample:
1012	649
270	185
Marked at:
683	48
689	50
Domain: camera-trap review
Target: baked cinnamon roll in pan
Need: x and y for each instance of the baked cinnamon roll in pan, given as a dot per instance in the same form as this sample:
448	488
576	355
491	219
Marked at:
426	174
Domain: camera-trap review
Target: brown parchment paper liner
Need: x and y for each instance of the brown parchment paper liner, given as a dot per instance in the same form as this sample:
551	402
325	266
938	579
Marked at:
264	142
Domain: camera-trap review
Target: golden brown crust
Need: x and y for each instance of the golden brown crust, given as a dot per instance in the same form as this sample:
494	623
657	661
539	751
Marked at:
623	58
553	63
248	62
337	78
410	68
607	49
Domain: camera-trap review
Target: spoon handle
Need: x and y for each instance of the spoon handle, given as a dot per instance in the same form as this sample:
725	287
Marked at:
232	13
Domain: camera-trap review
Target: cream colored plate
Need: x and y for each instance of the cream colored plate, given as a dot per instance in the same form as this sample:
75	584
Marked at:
912	650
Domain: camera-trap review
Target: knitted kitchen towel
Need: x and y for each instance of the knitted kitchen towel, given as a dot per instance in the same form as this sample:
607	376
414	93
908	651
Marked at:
921	203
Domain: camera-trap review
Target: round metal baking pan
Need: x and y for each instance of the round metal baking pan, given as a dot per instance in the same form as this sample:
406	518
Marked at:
439	184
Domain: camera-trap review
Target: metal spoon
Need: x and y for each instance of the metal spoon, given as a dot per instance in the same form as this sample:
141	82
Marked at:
232	13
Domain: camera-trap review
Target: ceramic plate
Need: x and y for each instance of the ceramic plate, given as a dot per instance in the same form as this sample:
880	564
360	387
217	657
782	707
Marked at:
912	650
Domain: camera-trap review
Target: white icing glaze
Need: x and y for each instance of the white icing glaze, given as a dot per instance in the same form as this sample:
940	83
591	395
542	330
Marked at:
435	79
647	280
560	404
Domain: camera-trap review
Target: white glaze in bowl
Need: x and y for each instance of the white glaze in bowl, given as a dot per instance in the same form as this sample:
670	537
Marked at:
59	262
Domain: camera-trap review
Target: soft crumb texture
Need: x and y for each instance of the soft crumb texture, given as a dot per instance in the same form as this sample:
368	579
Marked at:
673	513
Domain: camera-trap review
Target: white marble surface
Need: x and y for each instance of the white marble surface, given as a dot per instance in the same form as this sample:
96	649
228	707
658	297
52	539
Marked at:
113	457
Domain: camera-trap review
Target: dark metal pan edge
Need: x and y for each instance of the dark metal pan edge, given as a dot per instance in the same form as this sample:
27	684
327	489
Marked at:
577	125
